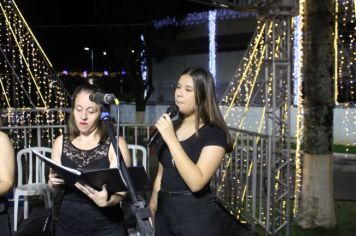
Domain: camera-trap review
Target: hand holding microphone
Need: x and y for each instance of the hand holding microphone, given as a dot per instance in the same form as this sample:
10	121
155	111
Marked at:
172	112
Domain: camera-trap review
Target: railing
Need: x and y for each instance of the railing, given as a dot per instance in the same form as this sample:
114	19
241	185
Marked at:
243	182
139	134
35	135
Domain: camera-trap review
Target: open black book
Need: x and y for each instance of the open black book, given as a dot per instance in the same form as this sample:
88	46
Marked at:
97	178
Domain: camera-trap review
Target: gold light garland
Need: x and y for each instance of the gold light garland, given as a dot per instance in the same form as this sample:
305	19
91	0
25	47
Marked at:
300	108
244	82
345	59
29	86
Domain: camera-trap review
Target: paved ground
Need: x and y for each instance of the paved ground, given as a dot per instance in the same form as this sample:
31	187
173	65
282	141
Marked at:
344	179
344	189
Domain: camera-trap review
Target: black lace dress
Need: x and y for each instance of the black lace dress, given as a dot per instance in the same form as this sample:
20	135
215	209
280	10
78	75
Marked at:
79	215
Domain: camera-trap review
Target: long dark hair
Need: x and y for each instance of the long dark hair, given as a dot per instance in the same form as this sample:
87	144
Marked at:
72	127
207	108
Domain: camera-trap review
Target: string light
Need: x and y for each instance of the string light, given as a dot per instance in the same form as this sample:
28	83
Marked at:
298	59
236	100
28	81
212	46
345	58
297	39
143	61
201	18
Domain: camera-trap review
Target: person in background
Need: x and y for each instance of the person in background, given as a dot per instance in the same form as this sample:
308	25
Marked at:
192	151
84	210
7	178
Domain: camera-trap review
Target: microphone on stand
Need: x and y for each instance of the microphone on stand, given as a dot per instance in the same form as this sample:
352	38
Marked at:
104	98
172	112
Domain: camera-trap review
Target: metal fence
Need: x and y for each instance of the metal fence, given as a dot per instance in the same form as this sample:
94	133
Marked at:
244	182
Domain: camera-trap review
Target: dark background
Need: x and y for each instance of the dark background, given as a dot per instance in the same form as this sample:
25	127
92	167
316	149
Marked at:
65	27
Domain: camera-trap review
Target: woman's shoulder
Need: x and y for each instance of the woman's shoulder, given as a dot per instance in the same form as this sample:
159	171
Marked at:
213	134
60	137
4	137
120	140
2	134
59	140
211	129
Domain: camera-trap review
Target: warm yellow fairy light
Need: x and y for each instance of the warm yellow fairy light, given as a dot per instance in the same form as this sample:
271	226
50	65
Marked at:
256	59
346	57
299	128
22	54
220	188
32	35
242	79
25	61
336	33
4	94
245	187
247	85
247	106
231	99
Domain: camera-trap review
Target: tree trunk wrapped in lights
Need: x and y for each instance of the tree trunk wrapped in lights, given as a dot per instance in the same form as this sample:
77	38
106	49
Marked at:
317	207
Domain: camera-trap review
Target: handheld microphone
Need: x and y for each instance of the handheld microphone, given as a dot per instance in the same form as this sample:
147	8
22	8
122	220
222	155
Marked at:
172	112
104	98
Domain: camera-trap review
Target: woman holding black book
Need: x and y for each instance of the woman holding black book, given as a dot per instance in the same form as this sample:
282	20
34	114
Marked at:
84	210
192	151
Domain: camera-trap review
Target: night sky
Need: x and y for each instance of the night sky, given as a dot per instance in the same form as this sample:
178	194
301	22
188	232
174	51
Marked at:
65	27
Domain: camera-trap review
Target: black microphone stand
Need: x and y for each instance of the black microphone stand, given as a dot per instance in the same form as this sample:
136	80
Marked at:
138	207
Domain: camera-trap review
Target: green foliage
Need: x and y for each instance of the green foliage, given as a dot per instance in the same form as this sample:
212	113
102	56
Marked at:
344	149
345	222
337	148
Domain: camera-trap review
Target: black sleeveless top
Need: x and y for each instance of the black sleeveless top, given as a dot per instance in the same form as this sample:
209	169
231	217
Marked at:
79	215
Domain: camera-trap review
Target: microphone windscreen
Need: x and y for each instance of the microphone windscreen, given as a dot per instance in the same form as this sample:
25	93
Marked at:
172	110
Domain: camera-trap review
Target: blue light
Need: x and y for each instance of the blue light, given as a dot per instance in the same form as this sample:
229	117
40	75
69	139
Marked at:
212	45
296	59
201	18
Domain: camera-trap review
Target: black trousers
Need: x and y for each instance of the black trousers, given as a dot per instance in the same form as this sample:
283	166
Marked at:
5	226
187	215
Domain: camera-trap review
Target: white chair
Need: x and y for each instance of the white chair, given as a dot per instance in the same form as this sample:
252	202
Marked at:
138	154
31	179
139	158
